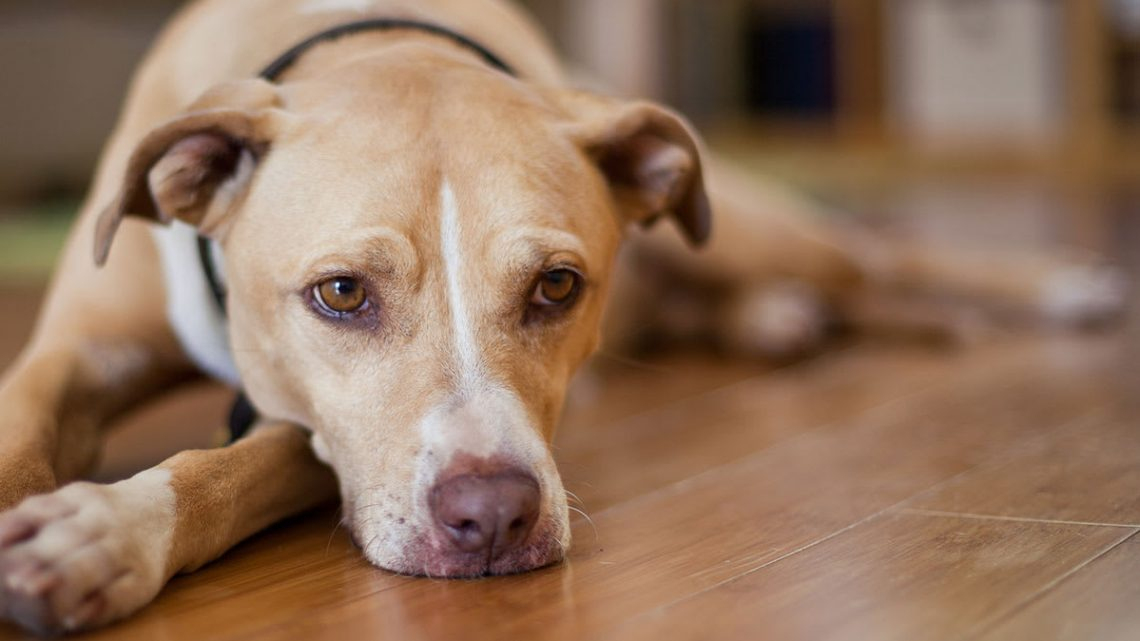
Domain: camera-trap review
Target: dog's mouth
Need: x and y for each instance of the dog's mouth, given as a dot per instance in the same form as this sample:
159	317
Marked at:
435	560
425	555
460	514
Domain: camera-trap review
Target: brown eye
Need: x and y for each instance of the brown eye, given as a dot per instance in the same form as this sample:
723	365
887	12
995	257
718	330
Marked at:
556	287
341	295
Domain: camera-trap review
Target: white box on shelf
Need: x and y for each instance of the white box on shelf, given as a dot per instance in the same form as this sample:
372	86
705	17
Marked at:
971	72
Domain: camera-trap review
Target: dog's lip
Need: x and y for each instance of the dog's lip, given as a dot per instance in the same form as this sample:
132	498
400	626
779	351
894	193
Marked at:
425	556
475	567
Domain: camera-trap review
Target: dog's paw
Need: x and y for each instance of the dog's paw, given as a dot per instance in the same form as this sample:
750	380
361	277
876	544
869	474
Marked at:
781	320
1083	294
86	554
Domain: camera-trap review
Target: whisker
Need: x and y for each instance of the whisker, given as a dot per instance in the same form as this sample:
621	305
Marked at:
629	361
339	522
571	495
588	520
372	540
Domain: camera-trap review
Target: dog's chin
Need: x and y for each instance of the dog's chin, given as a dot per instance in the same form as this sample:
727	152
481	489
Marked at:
426	556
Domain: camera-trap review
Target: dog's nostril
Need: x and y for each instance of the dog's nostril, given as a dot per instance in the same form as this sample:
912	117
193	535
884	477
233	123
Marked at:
486	513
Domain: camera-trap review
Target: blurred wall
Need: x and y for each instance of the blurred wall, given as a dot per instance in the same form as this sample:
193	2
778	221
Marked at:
902	74
64	66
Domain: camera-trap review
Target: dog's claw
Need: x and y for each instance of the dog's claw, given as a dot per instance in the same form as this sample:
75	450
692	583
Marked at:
32	580
86	613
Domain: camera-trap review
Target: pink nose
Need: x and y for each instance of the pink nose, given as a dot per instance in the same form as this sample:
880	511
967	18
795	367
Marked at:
489	514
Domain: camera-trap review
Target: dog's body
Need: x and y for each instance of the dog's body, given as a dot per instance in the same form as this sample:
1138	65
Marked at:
417	247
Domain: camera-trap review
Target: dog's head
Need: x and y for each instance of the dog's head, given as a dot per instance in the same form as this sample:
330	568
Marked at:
417	251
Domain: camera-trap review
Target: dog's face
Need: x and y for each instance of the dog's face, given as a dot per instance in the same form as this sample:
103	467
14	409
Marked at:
417	253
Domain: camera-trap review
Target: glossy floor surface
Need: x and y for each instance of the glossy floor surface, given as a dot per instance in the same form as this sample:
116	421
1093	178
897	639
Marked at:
878	492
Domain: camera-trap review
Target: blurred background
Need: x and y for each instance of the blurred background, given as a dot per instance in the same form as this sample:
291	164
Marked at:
996	121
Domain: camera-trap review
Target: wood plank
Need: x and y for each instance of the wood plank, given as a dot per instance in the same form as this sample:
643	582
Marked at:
1086	472
729	422
1098	602
899	577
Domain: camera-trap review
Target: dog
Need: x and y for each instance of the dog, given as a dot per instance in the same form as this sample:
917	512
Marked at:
397	241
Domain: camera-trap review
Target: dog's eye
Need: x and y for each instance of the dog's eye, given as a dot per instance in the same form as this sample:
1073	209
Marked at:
341	295
556	287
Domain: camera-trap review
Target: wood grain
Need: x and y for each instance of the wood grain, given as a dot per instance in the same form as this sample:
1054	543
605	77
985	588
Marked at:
1087	471
900	577
728	422
1098	602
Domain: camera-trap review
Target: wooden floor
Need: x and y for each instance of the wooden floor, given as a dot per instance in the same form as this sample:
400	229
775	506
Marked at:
876	493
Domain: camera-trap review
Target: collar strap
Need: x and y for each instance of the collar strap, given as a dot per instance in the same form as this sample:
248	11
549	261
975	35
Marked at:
210	271
290	57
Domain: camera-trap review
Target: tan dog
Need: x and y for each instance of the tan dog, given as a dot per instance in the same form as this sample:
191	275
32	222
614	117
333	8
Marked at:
416	248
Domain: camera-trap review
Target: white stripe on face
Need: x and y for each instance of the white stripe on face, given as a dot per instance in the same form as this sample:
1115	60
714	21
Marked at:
467	350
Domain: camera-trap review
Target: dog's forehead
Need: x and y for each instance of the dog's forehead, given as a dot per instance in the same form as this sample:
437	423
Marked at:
360	161
408	94
494	197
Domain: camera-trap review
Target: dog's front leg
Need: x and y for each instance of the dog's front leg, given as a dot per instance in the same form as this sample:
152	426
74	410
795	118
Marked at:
89	554
58	397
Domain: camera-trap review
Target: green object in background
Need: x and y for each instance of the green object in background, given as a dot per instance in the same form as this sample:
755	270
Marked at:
31	239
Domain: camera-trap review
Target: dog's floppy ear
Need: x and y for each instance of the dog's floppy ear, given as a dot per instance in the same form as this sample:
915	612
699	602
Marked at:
196	167
649	155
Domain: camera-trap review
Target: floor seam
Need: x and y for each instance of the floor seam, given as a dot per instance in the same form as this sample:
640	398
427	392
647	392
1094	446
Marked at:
1002	459
1015	519
1048	587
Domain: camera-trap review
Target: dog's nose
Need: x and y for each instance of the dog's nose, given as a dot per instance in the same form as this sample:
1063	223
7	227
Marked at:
486	513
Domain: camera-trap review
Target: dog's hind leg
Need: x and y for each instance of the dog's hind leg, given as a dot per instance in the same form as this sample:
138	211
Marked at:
89	554
765	284
779	270
1018	286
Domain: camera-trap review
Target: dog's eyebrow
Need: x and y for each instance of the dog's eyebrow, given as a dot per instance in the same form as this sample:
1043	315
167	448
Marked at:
376	249
544	241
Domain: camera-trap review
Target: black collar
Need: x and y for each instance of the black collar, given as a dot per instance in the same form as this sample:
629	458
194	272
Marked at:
243	415
287	59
